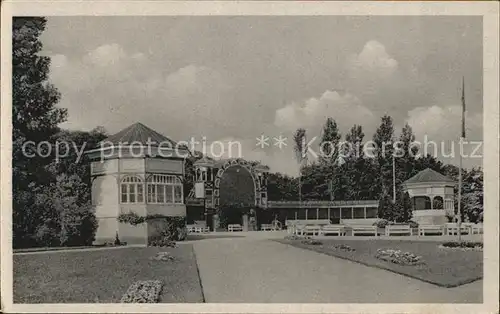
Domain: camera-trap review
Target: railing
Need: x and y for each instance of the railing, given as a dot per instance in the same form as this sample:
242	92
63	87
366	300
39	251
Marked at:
314	204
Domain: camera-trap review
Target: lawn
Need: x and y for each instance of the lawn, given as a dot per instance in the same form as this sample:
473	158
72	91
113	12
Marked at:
104	275
446	268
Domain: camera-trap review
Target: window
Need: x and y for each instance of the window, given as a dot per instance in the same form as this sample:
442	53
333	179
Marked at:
132	190
165	189
359	212
323	213
371	212
346	213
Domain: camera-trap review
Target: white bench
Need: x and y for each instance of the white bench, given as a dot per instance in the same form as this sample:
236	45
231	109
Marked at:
398	229
234	227
364	229
311	229
476	229
333	229
452	229
201	229
190	228
266	227
423	229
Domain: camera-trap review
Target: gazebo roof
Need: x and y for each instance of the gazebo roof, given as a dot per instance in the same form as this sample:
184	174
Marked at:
428	176
139	133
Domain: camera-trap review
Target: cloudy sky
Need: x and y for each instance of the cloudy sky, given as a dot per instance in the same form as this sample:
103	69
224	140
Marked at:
236	78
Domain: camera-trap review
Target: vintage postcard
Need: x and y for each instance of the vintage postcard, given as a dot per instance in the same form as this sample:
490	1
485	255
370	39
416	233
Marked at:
249	157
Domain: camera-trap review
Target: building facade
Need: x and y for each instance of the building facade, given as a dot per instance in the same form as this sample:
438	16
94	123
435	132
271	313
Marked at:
432	195
136	170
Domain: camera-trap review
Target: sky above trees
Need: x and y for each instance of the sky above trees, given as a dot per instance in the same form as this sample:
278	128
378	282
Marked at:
235	78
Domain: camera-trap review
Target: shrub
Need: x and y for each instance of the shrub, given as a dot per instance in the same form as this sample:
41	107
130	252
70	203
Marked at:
413	224
381	223
168	228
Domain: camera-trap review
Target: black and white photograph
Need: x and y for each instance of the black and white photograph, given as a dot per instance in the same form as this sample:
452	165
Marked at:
229	158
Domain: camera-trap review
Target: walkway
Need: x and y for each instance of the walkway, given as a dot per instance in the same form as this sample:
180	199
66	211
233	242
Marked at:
257	270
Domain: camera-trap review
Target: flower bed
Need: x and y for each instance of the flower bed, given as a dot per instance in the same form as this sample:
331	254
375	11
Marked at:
344	247
296	237
465	246
398	257
163	256
143	291
311	242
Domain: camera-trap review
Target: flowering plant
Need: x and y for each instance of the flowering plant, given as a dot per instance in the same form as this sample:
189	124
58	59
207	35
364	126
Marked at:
398	257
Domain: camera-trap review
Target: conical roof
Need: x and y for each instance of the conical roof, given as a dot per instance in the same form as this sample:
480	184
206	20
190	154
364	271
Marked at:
139	133
428	176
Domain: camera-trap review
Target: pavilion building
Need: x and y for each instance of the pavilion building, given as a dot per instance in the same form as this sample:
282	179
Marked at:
136	170
432	195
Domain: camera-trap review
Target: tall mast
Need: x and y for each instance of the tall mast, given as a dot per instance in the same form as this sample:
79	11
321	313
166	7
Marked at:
462	136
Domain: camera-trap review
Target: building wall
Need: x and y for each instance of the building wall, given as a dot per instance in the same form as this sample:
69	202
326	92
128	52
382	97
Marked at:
164	166
176	210
430	217
132	165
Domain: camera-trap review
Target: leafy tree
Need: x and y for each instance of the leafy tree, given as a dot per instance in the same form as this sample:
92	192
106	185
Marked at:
332	136
383	151
281	187
35	118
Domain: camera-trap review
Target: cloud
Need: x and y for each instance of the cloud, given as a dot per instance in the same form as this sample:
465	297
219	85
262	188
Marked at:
440	123
106	55
373	58
442	126
345	108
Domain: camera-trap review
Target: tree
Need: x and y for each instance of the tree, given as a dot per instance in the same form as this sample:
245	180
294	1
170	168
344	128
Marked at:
35	117
406	208
383	151
330	140
405	157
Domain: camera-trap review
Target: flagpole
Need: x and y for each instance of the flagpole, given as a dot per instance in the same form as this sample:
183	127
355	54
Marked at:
462	136
393	179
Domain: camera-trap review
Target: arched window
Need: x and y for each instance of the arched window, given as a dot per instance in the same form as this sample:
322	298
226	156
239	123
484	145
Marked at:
165	189
421	203
132	190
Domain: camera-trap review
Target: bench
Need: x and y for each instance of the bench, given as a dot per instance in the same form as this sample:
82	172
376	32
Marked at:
234	227
190	228
311	229
333	229
452	229
423	229
267	227
476	229
364	229
398	229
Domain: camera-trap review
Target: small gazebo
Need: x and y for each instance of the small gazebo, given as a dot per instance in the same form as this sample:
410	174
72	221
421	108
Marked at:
136	170
432	195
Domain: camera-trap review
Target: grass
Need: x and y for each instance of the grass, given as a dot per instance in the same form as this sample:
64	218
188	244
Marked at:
445	268
103	276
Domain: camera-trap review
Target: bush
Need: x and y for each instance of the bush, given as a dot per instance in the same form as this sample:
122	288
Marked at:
413	224
167	228
381	223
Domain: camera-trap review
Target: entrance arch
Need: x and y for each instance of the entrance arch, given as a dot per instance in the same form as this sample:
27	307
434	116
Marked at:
237	164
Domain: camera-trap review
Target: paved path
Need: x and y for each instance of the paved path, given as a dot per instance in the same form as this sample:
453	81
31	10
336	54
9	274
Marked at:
256	270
